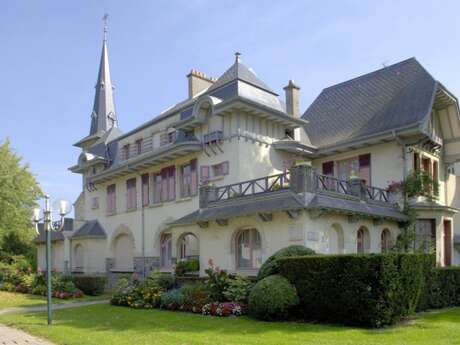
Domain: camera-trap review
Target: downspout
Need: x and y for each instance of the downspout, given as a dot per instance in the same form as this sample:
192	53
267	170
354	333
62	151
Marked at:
142	229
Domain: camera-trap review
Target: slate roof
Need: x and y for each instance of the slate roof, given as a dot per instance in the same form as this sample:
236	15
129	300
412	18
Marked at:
91	228
246	206
287	200
55	235
239	71
389	98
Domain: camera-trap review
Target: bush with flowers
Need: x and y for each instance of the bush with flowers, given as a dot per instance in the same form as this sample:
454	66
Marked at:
134	293
19	277
221	294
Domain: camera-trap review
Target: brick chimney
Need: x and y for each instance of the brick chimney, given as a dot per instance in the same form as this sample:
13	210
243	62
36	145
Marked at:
197	82
292	99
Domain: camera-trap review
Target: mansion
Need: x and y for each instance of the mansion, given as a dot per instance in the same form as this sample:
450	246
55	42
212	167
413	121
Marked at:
235	172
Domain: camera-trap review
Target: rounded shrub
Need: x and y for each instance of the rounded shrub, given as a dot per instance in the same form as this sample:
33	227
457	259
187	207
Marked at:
271	266
272	298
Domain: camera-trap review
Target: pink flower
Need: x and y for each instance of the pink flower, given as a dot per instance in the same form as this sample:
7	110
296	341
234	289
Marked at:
210	262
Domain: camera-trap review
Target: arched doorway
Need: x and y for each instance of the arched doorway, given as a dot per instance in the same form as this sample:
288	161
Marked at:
363	242
188	247
248	251
386	242
123	253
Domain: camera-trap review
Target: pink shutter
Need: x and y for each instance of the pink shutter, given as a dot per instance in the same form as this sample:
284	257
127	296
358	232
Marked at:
194	184
164	184
225	168
204	173
145	189
172	183
365	168
328	168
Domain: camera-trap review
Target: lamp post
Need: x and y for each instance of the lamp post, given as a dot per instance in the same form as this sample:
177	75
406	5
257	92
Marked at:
48	226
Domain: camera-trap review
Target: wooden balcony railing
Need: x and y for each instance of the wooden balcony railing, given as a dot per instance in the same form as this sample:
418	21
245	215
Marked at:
299	180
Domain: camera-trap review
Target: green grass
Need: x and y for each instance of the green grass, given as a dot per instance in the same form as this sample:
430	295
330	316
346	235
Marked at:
105	324
13	299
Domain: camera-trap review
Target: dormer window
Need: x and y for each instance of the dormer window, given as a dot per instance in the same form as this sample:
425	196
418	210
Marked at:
289	133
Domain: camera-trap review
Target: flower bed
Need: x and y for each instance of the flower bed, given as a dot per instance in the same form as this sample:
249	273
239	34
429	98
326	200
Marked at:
220	295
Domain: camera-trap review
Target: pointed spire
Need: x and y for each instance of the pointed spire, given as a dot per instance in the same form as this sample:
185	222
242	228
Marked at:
103	116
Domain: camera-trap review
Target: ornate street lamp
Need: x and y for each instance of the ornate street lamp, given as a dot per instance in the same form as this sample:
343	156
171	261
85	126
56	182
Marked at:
64	208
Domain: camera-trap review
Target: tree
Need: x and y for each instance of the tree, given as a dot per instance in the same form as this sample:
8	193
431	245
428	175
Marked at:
19	192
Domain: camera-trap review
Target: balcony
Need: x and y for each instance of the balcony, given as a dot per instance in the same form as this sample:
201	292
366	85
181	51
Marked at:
137	158
299	180
300	188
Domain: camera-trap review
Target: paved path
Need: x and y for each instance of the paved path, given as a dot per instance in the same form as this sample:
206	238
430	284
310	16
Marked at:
41	308
12	336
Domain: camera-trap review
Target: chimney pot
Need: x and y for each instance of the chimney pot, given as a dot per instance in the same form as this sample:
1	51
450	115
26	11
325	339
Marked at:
197	82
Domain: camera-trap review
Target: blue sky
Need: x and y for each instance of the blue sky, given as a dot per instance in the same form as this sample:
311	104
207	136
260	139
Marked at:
50	51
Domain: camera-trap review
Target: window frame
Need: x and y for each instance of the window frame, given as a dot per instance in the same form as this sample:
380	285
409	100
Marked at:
131	194
252	248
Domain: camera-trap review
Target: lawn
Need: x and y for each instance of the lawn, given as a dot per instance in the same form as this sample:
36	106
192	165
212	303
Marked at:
105	324
11	299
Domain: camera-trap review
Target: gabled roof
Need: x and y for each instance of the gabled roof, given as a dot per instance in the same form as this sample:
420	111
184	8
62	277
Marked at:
239	71
91	228
390	98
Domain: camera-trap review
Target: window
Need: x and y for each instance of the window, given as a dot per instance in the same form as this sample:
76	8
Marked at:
362	240
360	166
78	258
95	203
111	199
131	195
167	137
435	178
216	170
145	190
188	247
385	241
165	185
139	146
157	188
126	151
248	249
425	234
189	179
289	133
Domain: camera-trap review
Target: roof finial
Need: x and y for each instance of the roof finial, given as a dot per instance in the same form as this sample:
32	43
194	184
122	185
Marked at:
105	20
237	57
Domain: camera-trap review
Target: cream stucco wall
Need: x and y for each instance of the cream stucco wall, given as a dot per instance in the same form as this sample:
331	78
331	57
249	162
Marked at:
218	242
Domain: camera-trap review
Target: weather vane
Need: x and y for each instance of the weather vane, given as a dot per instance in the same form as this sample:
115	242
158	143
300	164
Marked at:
105	20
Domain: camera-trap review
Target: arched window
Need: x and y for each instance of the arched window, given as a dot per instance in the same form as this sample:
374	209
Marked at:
248	249
385	240
188	246
78	256
166	251
362	240
123	250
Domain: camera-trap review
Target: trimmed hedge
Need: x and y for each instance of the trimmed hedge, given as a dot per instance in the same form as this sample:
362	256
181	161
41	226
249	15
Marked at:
272	298
271	265
442	288
90	285
366	290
